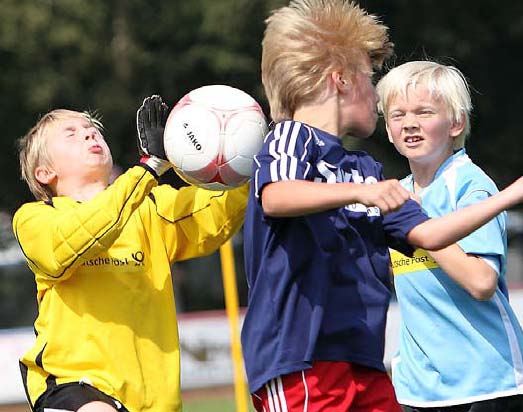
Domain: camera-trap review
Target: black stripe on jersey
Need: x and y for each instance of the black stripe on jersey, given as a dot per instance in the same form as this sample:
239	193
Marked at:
39	357
51	382
217	195
23	371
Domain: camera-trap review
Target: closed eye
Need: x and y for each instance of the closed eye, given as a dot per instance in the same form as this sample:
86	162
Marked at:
426	112
70	131
395	115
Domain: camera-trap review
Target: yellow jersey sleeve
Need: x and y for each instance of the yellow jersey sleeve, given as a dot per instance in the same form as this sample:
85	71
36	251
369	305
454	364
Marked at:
56	237
195	221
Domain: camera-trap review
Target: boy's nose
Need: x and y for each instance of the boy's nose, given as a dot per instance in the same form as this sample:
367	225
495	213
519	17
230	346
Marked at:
90	134
410	126
410	122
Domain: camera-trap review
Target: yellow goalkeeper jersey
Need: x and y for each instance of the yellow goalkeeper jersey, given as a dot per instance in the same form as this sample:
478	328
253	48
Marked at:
106	313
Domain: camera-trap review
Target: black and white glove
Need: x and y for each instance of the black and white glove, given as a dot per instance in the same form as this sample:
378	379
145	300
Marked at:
150	124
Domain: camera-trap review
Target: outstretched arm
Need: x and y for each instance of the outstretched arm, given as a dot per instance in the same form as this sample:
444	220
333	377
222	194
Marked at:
440	232
289	198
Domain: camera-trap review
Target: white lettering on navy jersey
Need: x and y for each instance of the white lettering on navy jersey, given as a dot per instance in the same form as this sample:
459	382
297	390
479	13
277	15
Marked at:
334	174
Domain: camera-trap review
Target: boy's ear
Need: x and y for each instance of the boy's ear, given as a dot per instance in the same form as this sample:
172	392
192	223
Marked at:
44	174
338	78
457	127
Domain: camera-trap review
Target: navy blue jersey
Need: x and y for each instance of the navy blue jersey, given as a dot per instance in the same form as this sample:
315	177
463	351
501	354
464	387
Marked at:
319	285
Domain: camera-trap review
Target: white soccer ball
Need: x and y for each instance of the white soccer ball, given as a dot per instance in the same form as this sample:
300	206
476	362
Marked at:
212	135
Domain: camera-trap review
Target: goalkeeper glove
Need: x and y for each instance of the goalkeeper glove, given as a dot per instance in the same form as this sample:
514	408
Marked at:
150	124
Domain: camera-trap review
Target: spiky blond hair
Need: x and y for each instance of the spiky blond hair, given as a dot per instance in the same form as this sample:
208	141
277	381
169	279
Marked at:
309	39
33	152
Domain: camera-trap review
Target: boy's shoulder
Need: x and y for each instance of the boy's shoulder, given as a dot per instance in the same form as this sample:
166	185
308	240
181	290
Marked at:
469	174
319	136
458	173
31	205
461	180
296	128
45	206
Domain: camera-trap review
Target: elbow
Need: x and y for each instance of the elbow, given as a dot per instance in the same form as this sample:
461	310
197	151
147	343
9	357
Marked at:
276	212
482	293
270	208
432	242
483	290
272	204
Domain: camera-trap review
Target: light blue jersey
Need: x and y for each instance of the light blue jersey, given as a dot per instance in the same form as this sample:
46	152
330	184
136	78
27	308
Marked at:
455	349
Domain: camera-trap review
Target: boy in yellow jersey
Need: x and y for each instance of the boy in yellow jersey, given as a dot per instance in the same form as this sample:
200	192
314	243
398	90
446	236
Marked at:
106	332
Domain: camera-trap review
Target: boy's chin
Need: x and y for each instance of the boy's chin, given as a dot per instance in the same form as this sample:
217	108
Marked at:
361	130
360	134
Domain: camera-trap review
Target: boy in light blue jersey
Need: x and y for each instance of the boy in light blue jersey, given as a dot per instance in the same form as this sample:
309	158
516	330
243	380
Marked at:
460	342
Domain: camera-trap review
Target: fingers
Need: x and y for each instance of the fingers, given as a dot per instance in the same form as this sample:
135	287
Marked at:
164	114
399	194
153	111
150	122
387	195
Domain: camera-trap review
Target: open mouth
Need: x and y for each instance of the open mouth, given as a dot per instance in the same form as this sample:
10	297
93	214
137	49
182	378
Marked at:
412	139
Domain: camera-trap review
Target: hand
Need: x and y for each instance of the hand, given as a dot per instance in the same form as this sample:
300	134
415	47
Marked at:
387	195
150	124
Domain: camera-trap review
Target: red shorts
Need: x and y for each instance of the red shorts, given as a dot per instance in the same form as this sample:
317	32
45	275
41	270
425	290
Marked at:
328	387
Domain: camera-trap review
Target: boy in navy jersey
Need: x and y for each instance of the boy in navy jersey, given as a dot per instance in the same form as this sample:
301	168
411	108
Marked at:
457	297
320	219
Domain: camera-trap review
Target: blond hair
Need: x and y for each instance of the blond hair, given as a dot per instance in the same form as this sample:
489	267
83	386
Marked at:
309	39
33	148
445	83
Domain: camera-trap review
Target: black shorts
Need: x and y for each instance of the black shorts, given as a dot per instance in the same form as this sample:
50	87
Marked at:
505	404
72	396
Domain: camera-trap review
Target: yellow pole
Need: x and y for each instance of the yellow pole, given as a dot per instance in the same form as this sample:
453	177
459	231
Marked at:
231	306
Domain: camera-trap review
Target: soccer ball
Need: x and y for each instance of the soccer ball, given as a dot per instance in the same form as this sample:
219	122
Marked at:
212	135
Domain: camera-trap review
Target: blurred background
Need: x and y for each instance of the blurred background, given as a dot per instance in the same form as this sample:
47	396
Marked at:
107	55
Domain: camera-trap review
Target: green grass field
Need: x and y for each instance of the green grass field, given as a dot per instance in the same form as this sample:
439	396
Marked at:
211	400
219	404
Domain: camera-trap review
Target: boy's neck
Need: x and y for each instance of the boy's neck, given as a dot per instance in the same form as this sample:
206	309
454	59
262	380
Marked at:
424	169
81	192
423	174
323	115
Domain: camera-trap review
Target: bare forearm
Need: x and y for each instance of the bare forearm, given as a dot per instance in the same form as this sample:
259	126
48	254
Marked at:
300	197
472	273
442	231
